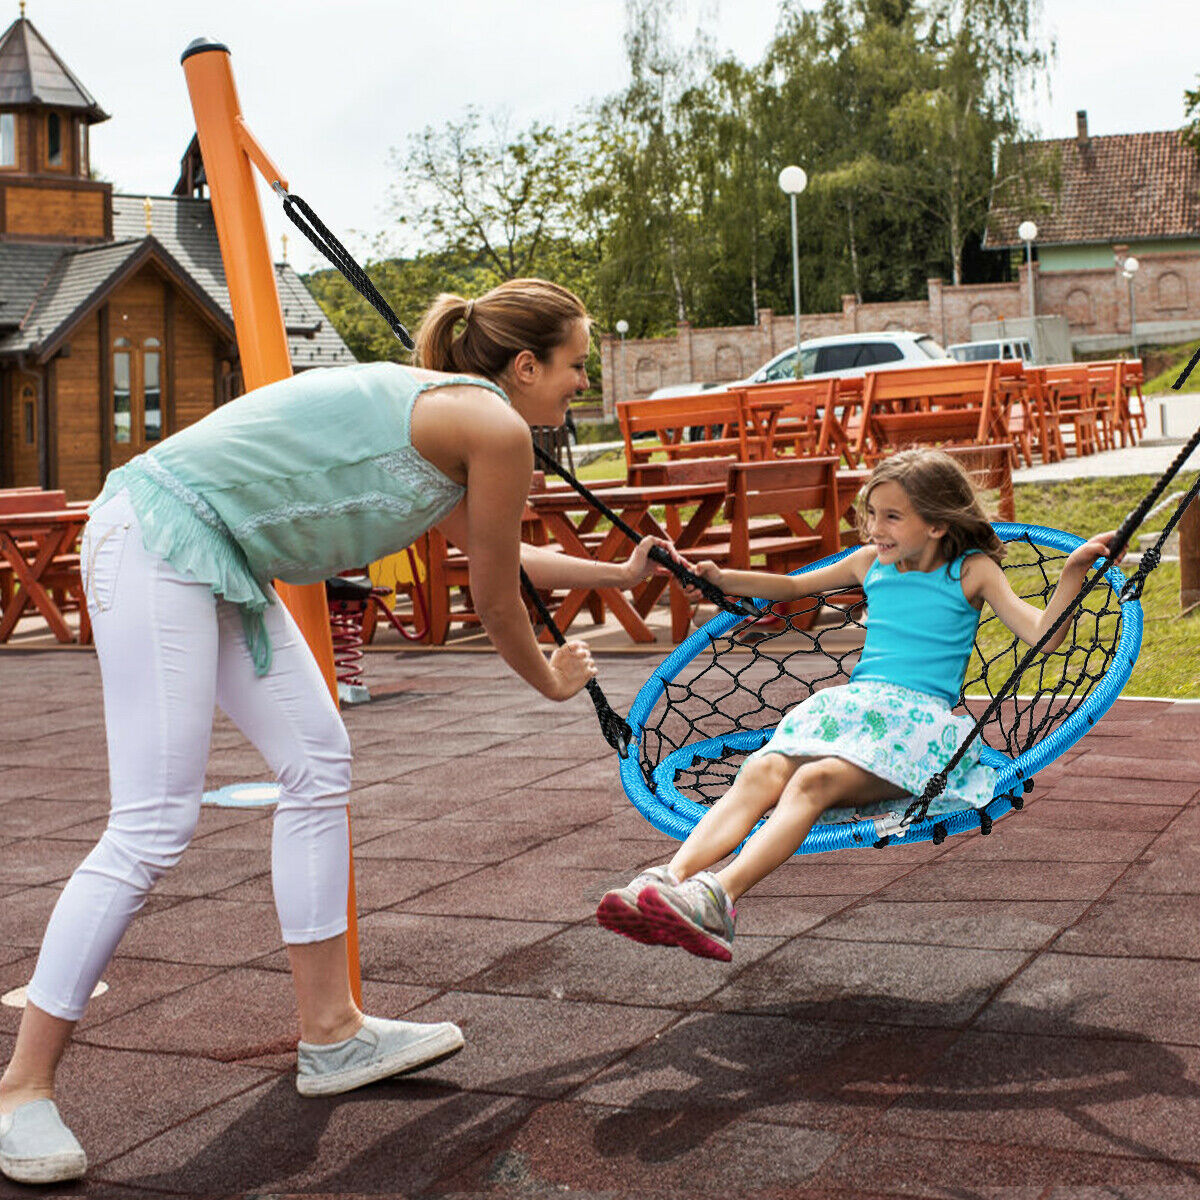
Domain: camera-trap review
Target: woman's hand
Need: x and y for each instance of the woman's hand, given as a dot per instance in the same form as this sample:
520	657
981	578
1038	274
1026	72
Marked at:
639	566
706	570
572	666
1081	558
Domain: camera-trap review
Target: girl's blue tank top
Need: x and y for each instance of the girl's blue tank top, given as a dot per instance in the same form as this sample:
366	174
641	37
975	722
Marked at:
920	629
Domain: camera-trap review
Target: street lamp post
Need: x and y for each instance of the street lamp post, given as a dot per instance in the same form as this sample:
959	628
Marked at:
793	180
1027	231
1129	269
622	329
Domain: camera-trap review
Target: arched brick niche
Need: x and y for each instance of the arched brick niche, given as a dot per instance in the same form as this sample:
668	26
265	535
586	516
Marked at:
1170	291
1078	307
649	375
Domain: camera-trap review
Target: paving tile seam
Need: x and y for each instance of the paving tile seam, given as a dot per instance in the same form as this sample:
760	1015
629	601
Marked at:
192	1116
157	998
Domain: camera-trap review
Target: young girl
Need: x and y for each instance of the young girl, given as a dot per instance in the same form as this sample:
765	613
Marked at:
929	562
296	481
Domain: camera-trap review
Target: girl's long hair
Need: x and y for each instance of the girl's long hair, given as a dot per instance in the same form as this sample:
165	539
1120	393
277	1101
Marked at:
941	493
481	337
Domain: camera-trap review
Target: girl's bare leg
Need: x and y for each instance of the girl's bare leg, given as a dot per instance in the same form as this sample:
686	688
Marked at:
719	832
41	1042
817	785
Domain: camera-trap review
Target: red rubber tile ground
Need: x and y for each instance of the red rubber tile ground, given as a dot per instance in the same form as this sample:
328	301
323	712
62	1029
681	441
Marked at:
1012	1017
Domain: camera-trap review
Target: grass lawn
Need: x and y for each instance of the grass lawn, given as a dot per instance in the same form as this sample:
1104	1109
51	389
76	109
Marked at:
1163	381
1169	662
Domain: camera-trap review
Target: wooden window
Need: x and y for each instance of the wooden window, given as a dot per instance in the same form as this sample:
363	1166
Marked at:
8	140
84	166
54	140
122	391
29	414
151	390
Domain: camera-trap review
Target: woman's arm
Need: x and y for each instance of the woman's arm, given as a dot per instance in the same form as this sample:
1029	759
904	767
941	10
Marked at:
499	461
1027	621
847	572
553	569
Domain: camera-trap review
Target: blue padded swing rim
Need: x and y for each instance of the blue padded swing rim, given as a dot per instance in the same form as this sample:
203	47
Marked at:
674	814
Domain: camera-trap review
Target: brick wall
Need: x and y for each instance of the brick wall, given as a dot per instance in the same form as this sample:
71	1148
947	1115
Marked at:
1095	302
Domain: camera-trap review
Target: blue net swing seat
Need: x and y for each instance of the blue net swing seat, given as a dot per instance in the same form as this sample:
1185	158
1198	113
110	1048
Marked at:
719	696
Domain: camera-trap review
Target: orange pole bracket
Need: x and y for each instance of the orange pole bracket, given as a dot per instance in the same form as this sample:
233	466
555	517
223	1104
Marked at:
229	150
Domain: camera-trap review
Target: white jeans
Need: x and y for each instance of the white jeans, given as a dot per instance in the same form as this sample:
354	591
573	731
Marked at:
169	650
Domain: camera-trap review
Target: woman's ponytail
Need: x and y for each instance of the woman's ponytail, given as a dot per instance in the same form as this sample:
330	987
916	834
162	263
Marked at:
481	337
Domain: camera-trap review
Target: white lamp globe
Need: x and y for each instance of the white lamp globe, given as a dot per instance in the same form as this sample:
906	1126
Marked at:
793	180
1027	231
1131	264
622	327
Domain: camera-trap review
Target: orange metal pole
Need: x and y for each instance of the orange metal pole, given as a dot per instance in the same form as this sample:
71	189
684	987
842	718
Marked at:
229	150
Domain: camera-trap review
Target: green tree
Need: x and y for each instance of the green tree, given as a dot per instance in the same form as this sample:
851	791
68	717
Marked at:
478	190
1191	114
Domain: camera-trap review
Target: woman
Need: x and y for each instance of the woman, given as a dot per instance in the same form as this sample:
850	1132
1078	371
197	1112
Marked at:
295	481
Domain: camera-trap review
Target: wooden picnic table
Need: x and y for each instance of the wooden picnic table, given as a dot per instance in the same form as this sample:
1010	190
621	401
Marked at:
568	518
30	542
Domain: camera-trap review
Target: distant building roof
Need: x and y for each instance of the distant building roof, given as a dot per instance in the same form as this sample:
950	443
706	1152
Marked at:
1119	188
43	287
31	73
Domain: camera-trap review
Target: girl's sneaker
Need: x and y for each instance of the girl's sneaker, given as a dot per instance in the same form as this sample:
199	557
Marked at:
695	915
619	910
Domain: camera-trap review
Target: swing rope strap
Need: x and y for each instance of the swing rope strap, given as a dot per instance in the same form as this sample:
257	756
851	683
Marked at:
616	730
319	234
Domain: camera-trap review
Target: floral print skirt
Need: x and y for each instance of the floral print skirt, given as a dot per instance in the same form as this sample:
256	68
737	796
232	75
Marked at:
900	735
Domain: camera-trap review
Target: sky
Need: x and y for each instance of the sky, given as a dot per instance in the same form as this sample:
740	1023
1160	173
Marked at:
331	87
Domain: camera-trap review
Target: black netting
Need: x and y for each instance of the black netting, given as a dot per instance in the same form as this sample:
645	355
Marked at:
747	678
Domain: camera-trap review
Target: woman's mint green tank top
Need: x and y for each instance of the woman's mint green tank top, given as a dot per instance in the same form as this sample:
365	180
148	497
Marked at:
297	481
920	629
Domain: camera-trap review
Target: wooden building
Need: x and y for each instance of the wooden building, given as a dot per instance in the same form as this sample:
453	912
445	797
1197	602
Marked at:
115	324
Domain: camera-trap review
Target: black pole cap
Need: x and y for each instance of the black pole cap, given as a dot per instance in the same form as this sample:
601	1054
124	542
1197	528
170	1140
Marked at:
200	45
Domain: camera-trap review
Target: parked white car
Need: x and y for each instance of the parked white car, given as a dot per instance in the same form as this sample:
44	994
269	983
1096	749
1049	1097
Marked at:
993	348
850	355
681	389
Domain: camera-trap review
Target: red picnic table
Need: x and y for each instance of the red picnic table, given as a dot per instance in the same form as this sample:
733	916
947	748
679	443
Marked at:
30	544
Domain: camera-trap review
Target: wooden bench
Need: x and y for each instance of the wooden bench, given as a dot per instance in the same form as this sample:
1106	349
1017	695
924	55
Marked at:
785	489
810	418
1071	393
956	403
669	419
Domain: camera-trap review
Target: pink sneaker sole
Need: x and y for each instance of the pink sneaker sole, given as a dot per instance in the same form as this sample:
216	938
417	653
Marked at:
671	929
623	918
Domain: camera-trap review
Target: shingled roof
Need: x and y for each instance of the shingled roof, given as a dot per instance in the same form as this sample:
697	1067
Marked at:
1119	188
45	289
32	74
185	227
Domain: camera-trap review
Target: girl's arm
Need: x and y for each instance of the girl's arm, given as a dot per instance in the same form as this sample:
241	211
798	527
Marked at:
487	525
1027	621
847	572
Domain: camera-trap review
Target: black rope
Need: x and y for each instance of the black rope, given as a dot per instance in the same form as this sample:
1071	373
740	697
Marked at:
318	233
713	594
616	730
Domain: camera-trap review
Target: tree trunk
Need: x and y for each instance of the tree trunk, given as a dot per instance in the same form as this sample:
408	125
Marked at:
853	250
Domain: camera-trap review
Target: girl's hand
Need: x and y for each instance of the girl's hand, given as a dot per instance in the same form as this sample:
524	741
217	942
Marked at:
638	566
1082	557
572	667
706	570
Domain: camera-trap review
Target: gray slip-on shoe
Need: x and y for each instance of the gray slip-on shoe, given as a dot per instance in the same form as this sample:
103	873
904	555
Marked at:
37	1147
381	1048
